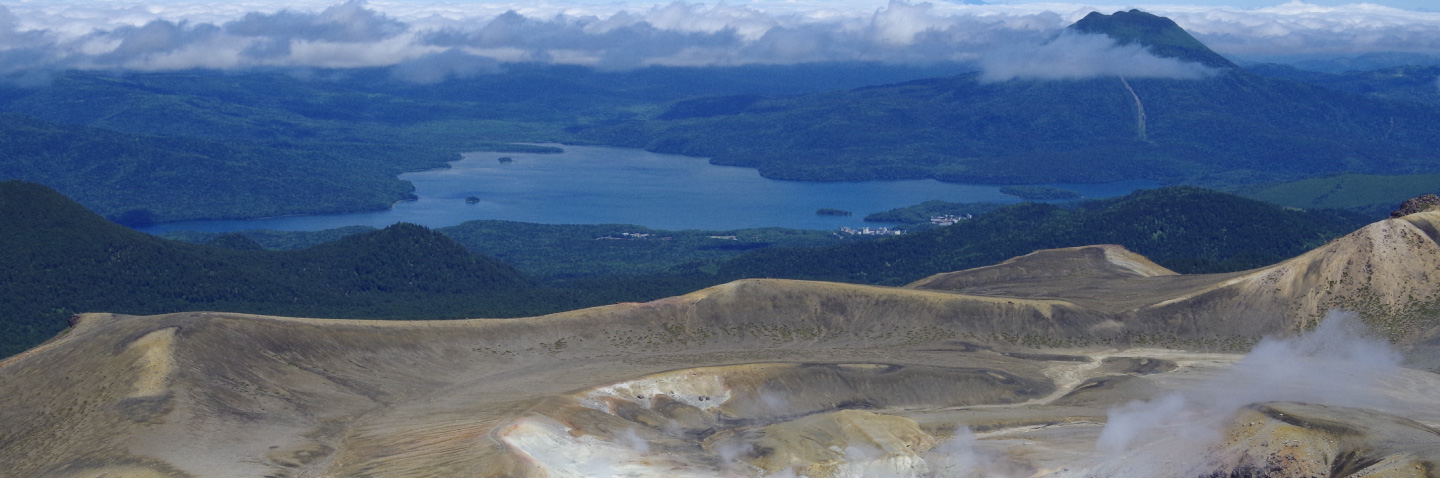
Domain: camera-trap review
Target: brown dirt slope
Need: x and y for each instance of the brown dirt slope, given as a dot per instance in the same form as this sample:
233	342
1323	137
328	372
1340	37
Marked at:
1388	272
221	395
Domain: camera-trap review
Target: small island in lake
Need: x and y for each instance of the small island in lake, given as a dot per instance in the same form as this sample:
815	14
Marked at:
505	159
1039	192
472	200
825	211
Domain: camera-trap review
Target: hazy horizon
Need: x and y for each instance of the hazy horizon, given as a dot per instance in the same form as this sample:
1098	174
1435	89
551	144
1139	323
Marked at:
442	39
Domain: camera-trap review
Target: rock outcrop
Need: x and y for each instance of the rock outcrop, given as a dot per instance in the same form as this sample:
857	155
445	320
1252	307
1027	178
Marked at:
1423	203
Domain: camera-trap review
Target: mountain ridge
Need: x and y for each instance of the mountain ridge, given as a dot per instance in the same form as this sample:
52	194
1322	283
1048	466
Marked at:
1381	271
69	260
489	397
62	259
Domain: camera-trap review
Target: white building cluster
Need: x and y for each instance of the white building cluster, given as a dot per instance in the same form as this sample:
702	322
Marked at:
949	219
872	231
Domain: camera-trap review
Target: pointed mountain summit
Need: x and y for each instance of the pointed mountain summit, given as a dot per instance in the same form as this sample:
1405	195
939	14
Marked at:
1161	35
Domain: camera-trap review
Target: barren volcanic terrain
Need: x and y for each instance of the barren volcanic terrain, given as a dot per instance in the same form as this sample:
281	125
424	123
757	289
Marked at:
1089	361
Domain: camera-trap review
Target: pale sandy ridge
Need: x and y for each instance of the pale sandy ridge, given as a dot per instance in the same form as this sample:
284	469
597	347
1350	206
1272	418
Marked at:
221	395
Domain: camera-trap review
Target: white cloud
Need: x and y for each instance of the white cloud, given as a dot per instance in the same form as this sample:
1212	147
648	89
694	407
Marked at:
438	67
1339	364
1075	55
178	33
348	22
1300	28
212	52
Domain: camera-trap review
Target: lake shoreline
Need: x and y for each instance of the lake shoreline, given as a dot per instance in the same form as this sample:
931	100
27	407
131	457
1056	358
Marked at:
585	184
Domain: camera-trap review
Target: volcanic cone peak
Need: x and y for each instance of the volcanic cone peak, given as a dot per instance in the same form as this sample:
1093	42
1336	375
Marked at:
1159	34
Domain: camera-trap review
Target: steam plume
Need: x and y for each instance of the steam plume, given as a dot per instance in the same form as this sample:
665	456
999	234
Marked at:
1337	364
961	456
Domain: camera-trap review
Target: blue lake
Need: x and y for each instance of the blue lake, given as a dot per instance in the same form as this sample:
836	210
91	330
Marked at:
602	185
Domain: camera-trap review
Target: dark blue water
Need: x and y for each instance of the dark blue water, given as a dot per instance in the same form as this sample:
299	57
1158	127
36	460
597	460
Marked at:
601	185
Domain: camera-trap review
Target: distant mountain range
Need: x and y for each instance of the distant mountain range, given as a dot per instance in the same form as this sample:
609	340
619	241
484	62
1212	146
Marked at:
1232	128
167	146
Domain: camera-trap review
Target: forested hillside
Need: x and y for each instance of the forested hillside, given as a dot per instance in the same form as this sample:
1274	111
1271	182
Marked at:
1186	229
1228	128
143	178
551	252
1414	84
169	146
60	259
196	144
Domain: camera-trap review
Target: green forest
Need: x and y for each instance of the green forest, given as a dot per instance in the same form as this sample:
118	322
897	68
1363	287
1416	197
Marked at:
1232	129
1189	230
62	259
66	259
170	146
573	251
921	213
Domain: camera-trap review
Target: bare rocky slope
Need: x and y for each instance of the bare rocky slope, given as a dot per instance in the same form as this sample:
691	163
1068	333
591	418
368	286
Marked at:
1008	370
1387	272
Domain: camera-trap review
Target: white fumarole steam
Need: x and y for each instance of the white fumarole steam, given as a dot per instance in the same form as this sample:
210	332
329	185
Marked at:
961	456
1336	364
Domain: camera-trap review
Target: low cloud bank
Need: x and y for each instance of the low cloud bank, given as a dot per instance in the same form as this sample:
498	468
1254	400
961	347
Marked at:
473	35
1336	364
1297	29
425	43
1074	55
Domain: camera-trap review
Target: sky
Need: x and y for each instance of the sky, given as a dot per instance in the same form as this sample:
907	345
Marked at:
437	39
